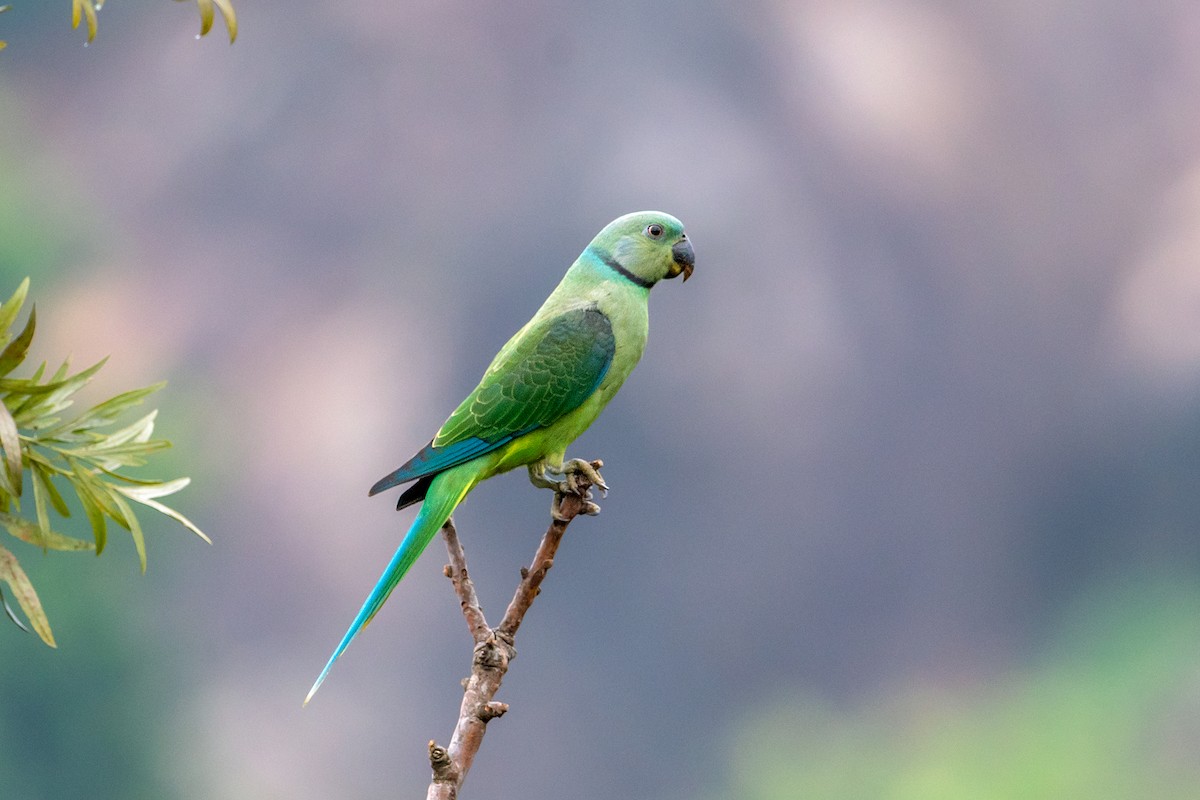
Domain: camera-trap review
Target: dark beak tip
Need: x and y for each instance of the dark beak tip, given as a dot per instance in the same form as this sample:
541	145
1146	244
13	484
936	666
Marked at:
685	257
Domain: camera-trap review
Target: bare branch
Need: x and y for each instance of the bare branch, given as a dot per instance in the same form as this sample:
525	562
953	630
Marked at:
493	646
464	587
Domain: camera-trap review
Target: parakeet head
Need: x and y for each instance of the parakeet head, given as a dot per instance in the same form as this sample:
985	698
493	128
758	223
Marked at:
645	247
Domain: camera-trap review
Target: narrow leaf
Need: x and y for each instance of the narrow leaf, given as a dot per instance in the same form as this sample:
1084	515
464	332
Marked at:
61	372
28	531
6	489
127	479
12	306
135	528
138	432
206	16
130	454
146	499
10	440
146	489
12	574
227	12
104	413
100	491
39	502
46	395
84	6
91	507
42	474
29	386
18	348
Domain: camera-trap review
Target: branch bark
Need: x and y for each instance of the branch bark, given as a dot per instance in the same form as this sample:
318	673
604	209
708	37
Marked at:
493	646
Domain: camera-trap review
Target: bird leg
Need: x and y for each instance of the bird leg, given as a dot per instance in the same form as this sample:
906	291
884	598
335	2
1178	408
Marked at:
537	476
578	476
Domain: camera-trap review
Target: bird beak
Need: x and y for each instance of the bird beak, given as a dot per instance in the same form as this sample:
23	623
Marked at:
685	259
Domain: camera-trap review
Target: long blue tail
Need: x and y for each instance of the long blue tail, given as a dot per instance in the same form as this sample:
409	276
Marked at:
445	493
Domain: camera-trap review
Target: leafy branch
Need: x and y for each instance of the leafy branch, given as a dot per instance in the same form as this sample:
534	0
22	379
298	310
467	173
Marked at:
42	448
86	10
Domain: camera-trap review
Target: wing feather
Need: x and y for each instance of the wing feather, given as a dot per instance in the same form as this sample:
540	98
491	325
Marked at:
546	371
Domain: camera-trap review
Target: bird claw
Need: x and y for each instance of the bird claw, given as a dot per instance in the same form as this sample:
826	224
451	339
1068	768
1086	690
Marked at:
590	471
579	477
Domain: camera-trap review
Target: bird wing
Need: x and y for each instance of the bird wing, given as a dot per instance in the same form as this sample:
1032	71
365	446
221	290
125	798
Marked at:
544	372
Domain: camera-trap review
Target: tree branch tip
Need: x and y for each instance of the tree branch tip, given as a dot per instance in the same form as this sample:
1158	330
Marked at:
448	571
492	710
524	573
597	464
439	757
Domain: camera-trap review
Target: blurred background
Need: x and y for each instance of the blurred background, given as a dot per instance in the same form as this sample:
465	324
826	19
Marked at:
906	488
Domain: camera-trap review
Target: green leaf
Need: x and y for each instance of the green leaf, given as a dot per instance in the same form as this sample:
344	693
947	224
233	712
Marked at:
104	413
31	387
84	6
12	306
226	8
10	440
206	16
39	503
137	432
109	459
96	502
36	435
146	493
42	474
28	531
135	528
18	348
12	574
95	515
100	491
47	398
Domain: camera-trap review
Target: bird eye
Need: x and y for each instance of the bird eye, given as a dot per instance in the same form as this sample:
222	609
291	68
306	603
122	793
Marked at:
654	230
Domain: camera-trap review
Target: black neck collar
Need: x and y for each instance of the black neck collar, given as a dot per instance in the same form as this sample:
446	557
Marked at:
616	267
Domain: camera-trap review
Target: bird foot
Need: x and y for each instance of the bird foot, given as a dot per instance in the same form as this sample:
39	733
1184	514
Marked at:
579	477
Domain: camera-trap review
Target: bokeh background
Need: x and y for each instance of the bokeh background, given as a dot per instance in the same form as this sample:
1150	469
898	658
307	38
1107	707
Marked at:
906	488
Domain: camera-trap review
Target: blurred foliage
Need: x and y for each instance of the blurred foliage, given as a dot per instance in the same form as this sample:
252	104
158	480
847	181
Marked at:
86	10
1111	712
80	450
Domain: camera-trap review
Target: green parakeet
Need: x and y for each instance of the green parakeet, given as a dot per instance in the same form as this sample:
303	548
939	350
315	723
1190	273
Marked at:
542	390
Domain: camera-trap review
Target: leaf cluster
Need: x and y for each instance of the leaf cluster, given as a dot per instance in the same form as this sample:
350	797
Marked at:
86	10
44	448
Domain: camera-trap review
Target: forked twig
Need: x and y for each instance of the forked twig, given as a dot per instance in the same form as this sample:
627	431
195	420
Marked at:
493	646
